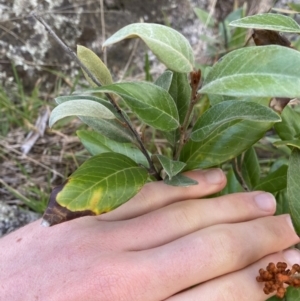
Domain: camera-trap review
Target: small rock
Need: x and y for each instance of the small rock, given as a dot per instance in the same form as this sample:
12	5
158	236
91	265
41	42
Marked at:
13	217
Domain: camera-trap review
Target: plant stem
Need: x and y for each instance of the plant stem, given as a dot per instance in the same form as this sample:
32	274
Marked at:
152	171
195	80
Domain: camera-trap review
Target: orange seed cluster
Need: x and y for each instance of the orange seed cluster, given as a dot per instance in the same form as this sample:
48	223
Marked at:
276	276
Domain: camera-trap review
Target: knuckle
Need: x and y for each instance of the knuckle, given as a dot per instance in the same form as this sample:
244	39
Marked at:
184	217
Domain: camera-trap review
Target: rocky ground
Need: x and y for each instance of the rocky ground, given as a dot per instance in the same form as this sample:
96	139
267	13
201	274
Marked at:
25	42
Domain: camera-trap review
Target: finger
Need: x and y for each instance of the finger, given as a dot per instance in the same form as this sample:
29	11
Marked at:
155	195
215	251
179	219
240	285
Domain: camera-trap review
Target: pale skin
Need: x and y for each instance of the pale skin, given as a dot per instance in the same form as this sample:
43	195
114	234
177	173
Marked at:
155	247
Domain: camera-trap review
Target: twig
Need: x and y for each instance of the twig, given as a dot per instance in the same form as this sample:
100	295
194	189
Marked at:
136	43
11	149
103	30
71	53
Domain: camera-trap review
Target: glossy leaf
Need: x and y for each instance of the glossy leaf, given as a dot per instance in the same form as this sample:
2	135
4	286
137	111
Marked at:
172	168
152	104
289	128
95	65
180	180
275	181
276	22
96	144
80	107
224	144
102	183
293	187
227	113
164	80
170	47
269	71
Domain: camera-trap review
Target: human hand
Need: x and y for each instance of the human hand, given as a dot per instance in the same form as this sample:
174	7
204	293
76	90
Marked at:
161	242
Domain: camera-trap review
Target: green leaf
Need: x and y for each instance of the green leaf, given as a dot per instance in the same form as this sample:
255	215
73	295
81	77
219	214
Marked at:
102	183
180	91
293	143
224	144
289	128
96	144
164	80
114	129
232	185
111	128
80	107
276	22
250	168
227	113
94	65
293	187
152	104
206	18
170	47
180	180
293	293
172	168
294	6
269	71
282	205
275	181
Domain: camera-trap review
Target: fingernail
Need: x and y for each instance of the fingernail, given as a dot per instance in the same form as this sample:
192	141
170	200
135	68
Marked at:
214	176
265	201
292	256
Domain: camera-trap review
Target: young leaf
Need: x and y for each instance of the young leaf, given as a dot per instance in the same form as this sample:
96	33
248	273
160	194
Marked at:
152	104
224	144
227	113
170	47
94	65
180	90
99	185
96	144
80	107
268	21
172	168
293	188
275	181
180	180
269	71
164	80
